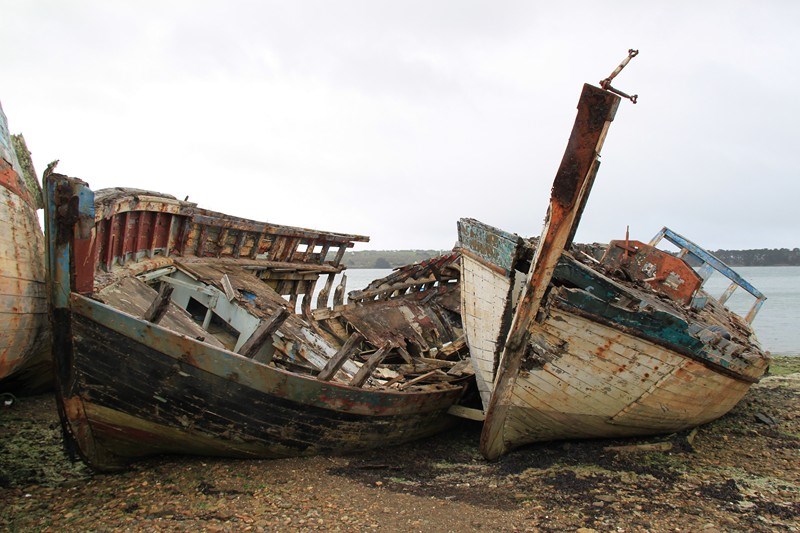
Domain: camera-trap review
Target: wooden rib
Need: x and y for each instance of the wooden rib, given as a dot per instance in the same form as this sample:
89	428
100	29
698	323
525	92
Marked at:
345	352
373	361
160	304
263	333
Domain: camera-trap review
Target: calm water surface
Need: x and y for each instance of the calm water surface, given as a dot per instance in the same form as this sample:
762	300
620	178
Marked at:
777	324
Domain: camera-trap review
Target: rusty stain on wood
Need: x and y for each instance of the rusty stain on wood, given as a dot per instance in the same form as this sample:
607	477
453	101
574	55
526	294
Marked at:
605	341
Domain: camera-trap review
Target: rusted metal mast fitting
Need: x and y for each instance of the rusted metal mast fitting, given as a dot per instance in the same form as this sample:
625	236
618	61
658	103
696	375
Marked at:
606	83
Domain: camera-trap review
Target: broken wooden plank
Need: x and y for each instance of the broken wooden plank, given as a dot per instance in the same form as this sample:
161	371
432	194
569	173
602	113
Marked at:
366	369
417	379
230	294
637	448
322	298
453	347
460	368
338	294
466	412
263	333
573	181
405	355
335	363
158	308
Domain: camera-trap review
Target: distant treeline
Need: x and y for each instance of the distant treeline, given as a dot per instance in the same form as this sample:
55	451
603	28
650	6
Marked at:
761	257
386	258
396	258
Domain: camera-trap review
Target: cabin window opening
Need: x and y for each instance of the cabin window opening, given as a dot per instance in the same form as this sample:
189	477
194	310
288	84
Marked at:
213	323
302	248
197	310
318	249
223	331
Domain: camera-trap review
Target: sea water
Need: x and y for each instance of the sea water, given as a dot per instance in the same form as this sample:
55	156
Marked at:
777	325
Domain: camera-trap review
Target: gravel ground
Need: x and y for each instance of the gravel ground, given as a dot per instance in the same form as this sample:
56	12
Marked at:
741	472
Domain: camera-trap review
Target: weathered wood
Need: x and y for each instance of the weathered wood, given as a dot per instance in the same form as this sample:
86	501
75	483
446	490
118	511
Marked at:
222	238
340	254
308	295
296	288
641	448
460	367
160	304
418	379
338	294
263	333
237	249
230	294
345	352
454	347
200	244
322	298
23	314
467	412
596	110
153	237
405	355
373	361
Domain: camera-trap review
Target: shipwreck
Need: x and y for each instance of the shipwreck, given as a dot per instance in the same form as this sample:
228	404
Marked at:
179	330
573	341
24	331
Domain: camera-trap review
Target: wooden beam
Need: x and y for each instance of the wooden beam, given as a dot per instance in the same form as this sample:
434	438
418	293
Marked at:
227	287
467	412
160	304
322	298
263	333
573	181
221	239
418	379
308	294
405	355
366	369
335	363
338	294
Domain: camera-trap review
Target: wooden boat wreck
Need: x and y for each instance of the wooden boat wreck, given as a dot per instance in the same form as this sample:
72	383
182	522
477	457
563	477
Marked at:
24	330
183	330
582	342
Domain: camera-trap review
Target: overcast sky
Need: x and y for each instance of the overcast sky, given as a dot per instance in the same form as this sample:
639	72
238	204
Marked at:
394	119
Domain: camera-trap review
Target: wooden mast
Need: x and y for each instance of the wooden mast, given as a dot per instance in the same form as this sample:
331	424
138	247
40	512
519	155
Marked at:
573	182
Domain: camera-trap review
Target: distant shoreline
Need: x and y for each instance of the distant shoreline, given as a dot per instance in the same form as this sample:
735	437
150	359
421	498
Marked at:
734	258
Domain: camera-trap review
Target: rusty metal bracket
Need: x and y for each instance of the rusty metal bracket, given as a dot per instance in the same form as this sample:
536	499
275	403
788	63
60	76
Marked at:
606	83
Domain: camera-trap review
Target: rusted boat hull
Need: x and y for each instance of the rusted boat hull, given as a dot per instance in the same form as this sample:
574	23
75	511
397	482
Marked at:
254	378
24	354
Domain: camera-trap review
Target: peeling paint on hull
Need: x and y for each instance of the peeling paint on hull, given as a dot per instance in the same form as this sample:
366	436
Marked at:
621	345
229	366
24	351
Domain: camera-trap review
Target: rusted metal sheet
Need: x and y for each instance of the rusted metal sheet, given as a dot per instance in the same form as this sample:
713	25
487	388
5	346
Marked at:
665	273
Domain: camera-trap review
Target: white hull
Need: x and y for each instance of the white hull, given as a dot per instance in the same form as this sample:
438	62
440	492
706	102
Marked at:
24	353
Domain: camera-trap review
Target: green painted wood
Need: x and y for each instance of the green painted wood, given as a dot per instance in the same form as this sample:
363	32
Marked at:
492	245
